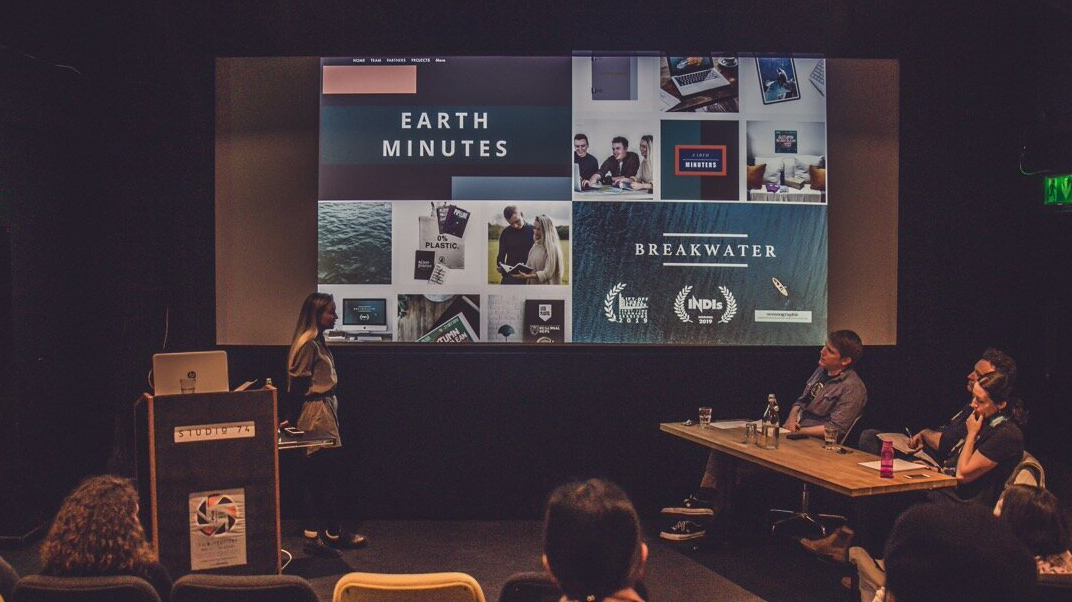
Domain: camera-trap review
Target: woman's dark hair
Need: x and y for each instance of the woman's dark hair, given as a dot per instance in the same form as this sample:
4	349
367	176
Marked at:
97	532
998	386
592	537
1036	519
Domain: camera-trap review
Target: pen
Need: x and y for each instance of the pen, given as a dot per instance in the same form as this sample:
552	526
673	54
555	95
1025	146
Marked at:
908	432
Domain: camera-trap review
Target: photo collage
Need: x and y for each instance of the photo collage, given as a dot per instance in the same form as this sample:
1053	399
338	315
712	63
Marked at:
693	212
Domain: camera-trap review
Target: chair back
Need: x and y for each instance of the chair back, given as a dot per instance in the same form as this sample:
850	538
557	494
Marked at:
1028	472
848	431
116	588
419	587
242	588
8	577
530	587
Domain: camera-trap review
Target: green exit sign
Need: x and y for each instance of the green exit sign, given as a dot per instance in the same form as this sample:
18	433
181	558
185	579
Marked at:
1058	191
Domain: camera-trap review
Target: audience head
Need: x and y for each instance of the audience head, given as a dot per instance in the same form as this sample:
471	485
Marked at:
1035	518
97	532
592	540
939	553
580	145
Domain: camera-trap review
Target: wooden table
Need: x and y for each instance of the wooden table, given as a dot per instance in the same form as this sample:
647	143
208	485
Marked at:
805	459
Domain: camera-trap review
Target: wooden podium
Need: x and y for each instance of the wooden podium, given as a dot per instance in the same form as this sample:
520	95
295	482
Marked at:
214	482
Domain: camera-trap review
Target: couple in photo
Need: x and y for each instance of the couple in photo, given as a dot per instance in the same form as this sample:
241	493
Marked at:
534	246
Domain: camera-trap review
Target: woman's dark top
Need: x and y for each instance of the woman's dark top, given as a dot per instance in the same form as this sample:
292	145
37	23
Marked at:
1001	441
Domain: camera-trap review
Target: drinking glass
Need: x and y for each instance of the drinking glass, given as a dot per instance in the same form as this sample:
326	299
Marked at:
829	437
705	417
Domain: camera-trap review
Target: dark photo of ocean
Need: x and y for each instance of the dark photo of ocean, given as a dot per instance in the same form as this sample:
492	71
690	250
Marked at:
354	242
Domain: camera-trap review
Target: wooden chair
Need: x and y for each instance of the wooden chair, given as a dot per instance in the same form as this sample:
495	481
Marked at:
419	587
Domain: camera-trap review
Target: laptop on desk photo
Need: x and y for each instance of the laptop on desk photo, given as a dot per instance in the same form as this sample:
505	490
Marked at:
577	182
694	74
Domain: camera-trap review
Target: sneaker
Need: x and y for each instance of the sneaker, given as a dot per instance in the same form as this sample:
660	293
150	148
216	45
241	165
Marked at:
345	540
308	533
683	530
692	506
319	547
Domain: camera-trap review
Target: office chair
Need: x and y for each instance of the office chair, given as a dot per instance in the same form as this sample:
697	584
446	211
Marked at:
780	518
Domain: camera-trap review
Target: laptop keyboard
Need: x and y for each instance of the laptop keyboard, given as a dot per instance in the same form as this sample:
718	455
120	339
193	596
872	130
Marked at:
694	78
818	74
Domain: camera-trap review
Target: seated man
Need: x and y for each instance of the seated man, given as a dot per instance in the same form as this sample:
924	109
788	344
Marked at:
834	394
938	443
586	163
621	165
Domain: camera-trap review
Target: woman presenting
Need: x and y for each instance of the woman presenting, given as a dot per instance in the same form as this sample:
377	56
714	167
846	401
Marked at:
545	256
311	374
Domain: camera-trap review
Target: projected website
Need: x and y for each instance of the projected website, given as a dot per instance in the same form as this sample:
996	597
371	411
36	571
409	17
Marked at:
586	199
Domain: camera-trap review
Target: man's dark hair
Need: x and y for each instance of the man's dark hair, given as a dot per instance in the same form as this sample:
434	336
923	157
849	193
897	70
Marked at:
509	211
1036	519
620	140
848	344
1002	362
581	137
957	554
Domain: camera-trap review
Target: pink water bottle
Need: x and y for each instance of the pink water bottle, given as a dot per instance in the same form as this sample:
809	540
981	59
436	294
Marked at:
886	470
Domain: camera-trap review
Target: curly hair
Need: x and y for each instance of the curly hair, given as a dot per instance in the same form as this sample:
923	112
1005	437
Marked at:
97	532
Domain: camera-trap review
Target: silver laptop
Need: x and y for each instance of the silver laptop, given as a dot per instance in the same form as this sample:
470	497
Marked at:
194	372
694	74
818	76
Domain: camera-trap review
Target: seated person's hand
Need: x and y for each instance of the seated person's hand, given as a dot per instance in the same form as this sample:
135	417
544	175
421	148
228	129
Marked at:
791	422
916	441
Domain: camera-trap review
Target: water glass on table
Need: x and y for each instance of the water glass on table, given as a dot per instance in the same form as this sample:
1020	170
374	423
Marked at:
705	417
830	437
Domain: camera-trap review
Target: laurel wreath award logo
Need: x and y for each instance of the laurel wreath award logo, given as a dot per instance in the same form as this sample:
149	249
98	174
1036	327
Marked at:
731	305
624	310
608	302
684	302
679	304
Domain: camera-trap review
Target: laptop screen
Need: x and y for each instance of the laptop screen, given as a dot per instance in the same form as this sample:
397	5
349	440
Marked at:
371	313
681	65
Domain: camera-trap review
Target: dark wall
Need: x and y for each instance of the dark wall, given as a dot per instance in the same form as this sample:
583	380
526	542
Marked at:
107	182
